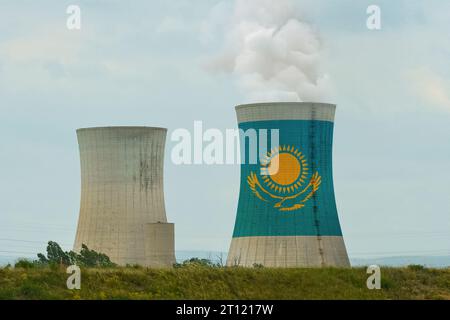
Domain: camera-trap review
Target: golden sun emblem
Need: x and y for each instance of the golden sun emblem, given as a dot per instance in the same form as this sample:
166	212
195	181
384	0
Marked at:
284	172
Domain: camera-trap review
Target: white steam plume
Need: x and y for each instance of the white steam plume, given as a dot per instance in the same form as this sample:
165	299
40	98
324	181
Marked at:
274	55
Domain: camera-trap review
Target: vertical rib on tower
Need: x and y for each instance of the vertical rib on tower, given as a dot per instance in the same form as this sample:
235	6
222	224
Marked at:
122	212
289	218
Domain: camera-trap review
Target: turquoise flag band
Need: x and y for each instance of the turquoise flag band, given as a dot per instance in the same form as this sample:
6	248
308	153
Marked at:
287	204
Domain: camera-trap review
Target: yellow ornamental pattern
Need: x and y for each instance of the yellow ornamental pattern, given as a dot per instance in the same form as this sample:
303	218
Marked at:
284	174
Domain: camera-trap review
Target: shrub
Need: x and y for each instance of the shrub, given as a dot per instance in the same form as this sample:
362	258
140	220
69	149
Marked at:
91	258
25	264
416	267
86	258
196	262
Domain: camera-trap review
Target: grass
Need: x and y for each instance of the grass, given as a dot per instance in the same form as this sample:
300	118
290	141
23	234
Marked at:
195	282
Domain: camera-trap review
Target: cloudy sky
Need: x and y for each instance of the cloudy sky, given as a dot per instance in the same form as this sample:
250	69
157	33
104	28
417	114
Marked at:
147	63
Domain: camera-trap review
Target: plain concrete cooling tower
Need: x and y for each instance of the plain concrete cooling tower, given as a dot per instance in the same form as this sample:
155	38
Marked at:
122	211
287	214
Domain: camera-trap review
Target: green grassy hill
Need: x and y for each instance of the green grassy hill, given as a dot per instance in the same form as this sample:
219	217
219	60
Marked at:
194	282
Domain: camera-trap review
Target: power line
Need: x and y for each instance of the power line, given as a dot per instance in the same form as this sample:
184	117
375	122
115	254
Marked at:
19	252
29	241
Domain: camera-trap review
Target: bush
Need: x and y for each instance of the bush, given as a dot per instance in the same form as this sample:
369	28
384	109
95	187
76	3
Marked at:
196	262
91	258
86	258
25	264
416	267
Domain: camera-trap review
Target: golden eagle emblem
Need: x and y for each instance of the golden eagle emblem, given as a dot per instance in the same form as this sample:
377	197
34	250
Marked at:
284	179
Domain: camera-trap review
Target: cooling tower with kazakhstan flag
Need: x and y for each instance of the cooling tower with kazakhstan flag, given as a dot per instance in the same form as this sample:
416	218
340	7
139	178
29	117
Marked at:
287	214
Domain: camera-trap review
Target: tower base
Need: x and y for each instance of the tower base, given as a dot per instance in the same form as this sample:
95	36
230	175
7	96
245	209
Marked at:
288	251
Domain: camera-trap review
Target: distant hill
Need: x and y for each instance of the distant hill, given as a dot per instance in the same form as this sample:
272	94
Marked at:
428	261
217	256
